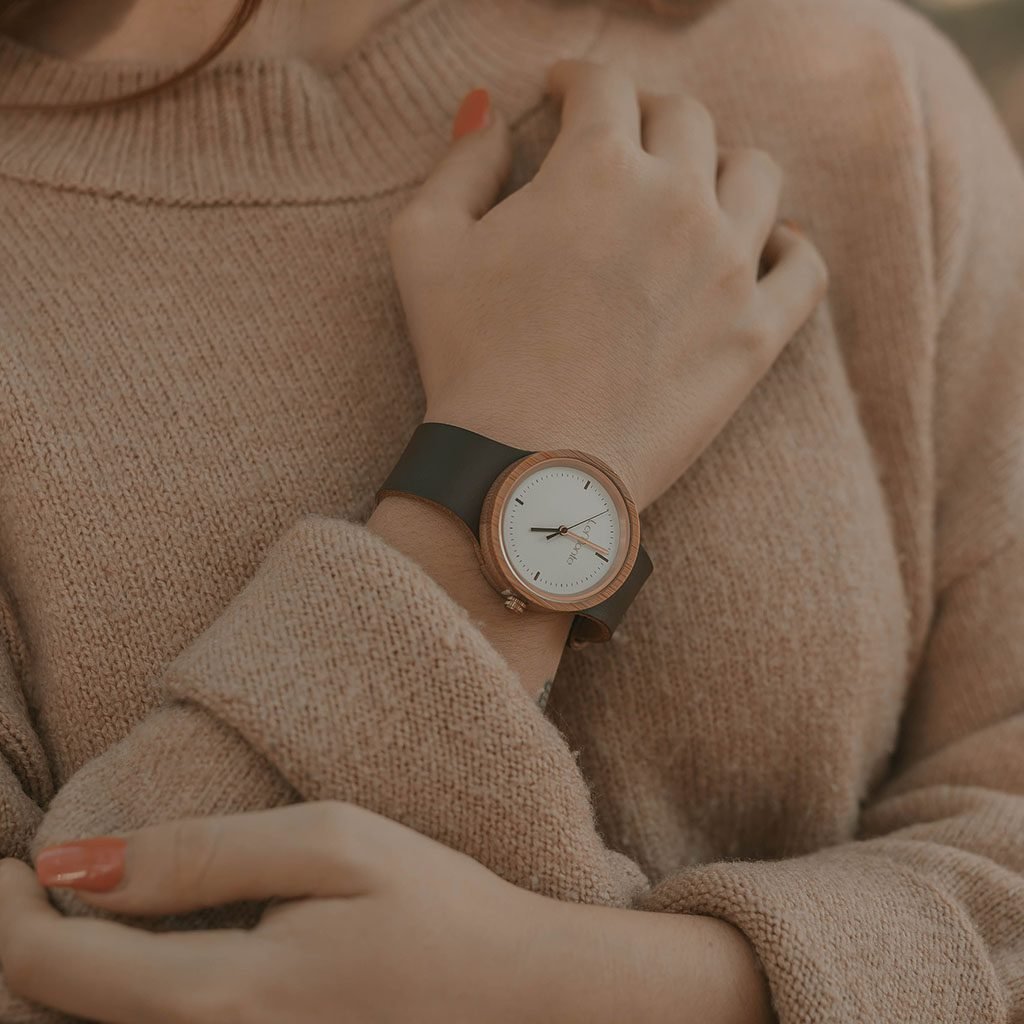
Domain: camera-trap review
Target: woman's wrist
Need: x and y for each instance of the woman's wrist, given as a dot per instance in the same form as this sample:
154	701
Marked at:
531	643
604	965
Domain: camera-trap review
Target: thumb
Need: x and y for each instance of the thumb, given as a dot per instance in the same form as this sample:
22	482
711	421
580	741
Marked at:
466	182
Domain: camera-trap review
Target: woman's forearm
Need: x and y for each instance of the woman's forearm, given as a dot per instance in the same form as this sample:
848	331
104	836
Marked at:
532	643
605	965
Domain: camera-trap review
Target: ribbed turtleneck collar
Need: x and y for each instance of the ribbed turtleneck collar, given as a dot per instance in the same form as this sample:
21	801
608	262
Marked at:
271	130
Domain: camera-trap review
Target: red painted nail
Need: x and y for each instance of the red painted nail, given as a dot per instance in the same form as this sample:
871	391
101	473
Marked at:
474	113
94	865
793	226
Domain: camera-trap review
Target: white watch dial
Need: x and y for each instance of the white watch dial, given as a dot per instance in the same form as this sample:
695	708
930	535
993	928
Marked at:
562	531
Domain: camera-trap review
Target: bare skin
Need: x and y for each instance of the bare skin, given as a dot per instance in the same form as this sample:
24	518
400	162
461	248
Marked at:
176	31
373	921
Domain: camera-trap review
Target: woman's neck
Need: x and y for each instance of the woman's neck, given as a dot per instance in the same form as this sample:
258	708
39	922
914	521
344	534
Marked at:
176	31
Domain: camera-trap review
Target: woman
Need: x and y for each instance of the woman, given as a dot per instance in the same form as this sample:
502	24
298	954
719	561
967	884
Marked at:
789	786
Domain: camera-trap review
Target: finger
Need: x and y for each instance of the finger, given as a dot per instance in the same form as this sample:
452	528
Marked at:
20	894
794	282
596	100
467	180
314	849
749	189
678	128
100	970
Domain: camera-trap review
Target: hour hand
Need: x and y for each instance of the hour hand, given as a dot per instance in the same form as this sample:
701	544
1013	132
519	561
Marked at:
553	531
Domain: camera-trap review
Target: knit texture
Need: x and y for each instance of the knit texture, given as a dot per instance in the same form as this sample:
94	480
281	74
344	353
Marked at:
811	722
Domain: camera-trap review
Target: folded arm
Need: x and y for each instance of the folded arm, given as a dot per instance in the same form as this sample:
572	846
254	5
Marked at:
344	671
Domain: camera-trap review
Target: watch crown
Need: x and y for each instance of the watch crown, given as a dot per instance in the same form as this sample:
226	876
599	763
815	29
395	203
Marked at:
512	602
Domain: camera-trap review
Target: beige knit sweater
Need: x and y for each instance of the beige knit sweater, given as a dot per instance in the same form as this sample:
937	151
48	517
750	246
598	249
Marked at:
811	723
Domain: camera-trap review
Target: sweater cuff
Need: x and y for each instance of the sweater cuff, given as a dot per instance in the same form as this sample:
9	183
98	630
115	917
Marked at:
845	934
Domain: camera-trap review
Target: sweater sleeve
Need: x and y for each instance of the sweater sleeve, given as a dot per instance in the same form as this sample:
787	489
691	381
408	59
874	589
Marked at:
25	782
921	917
343	671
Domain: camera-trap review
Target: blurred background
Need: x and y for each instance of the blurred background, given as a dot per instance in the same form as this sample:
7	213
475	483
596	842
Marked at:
991	34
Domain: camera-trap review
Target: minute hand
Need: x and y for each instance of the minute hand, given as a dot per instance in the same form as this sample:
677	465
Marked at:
580	523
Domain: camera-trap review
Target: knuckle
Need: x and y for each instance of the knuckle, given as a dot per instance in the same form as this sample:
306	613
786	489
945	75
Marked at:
703	208
596	73
575	73
605	149
572	65
193	848
412	222
738	270
686	214
814	270
761	163
756	341
334	829
819	268
22	961
690	110
330	818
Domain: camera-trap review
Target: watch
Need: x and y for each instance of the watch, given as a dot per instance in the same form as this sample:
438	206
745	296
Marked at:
555	530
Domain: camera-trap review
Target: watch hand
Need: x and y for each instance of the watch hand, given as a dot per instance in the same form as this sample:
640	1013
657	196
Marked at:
589	543
553	530
563	529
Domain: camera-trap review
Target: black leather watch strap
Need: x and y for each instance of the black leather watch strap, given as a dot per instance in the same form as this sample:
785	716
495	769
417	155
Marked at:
451	466
598	623
454	468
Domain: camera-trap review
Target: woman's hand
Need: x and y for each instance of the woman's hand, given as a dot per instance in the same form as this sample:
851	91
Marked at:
613	303
372	923
381	925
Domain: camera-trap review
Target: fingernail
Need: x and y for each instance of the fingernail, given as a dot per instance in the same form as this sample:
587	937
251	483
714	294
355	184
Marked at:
474	113
793	226
94	865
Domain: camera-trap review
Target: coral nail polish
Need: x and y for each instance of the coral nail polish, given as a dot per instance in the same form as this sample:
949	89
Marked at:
93	865
793	226
474	113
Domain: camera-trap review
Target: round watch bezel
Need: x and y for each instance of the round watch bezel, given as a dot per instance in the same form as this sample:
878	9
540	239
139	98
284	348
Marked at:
499	569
